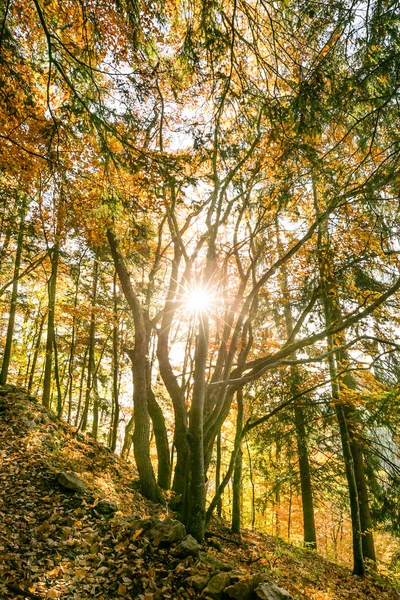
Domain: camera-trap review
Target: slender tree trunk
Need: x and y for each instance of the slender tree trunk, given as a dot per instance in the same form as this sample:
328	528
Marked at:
115	367
126	446
277	499
332	313
36	353
237	473
91	348
82	379
14	297
160	434
52	286
72	347
218	473
310	538
96	406
359	470
57	378
7	238
253	488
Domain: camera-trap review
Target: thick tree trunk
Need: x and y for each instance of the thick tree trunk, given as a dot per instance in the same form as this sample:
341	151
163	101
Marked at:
196	496
141	433
141	383
175	390
14	297
52	286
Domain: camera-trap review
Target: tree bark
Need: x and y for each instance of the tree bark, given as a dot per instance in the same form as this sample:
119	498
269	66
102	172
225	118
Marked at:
218	473
196	482
52	287
170	380
14	297
309	533
139	356
329	298
237	473
115	367
91	348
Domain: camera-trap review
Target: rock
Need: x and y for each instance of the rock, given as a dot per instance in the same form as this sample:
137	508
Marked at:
243	589
198	582
106	507
215	564
167	531
270	591
187	547
70	481
216	585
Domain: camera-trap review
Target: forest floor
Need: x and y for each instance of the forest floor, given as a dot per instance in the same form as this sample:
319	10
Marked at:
56	544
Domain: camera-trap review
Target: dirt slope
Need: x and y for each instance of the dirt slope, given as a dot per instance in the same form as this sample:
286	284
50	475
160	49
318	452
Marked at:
57	544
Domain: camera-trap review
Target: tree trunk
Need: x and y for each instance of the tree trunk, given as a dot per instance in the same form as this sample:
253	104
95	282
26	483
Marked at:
36	353
310	538
72	346
175	390
160	433
196	496
115	368
218	473
332	312
82	378
141	383
358	459
237	473
96	402
126	446
14	297
91	348
52	283
57	378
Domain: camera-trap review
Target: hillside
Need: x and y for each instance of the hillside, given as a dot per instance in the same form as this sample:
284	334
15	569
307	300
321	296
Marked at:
55	543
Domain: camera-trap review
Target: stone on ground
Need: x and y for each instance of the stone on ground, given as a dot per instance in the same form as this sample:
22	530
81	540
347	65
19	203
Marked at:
243	589
216	586
70	481
106	507
270	591
168	531
187	547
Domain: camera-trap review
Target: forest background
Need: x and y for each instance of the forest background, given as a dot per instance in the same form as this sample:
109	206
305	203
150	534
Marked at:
200	209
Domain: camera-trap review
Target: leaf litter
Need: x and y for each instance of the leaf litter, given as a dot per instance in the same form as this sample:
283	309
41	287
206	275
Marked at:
54	544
